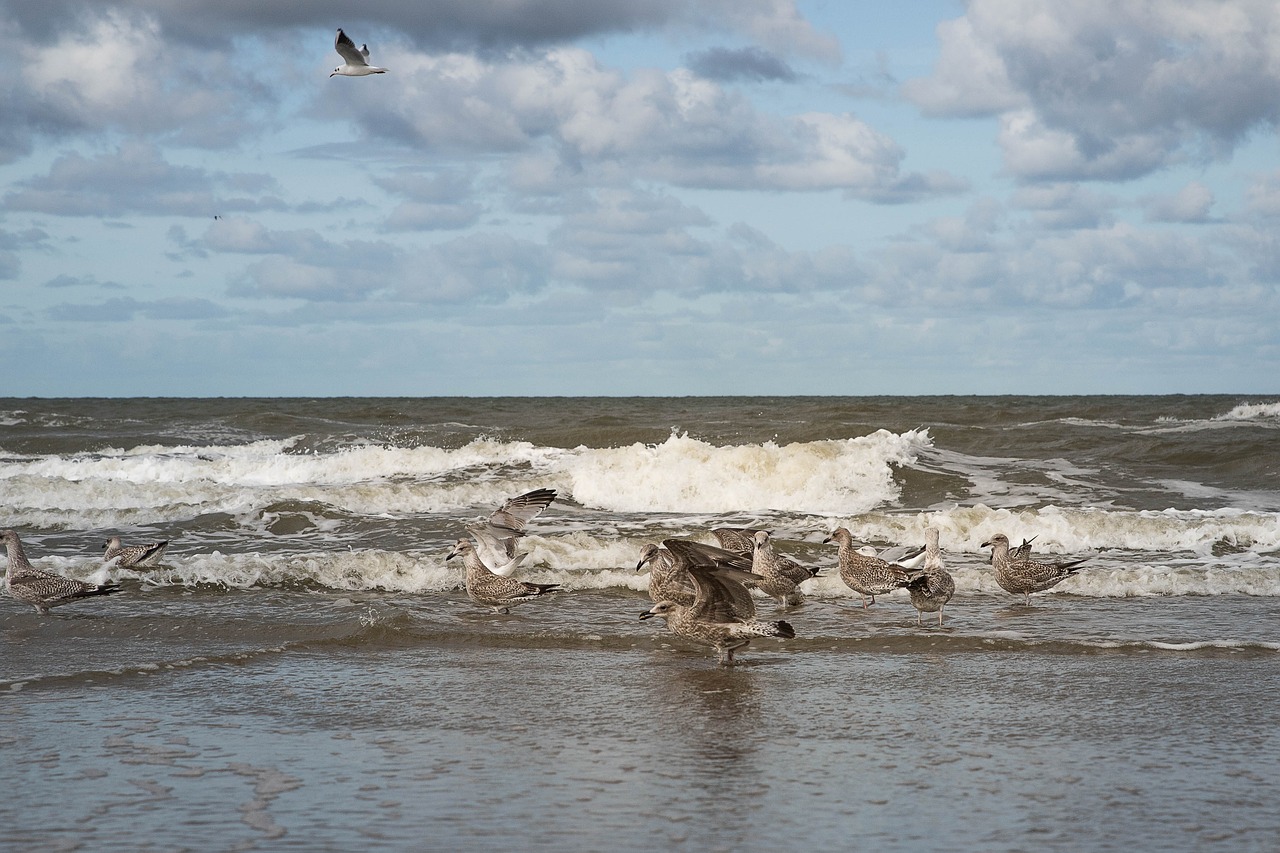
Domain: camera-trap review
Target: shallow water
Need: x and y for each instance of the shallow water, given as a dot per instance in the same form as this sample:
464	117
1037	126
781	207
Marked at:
303	672
441	726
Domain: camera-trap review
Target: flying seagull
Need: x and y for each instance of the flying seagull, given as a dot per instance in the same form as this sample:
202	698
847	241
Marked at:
355	63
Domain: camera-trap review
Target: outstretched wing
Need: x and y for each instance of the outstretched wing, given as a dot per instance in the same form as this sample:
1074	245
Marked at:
696	553
347	49
514	516
496	537
722	595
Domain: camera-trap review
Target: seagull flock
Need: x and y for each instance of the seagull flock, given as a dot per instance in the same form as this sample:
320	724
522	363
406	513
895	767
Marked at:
703	592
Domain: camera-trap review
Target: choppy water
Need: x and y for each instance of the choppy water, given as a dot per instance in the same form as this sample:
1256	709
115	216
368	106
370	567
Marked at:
304	672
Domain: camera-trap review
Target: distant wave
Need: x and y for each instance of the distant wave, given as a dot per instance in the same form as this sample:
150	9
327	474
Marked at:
1252	411
1245	414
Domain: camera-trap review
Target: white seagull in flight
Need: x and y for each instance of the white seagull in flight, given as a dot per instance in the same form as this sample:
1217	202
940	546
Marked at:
355	63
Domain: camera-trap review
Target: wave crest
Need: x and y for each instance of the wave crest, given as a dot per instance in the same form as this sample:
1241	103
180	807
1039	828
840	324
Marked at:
684	474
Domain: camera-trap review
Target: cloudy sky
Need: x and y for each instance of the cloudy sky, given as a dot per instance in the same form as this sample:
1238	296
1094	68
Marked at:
640	197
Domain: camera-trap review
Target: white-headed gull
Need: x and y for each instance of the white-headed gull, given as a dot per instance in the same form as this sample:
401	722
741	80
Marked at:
355	63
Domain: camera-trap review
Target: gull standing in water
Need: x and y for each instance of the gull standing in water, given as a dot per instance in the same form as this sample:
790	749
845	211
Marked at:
355	63
1025	576
713	619
931	588
39	588
669	571
782	575
484	587
867	576
134	556
495	539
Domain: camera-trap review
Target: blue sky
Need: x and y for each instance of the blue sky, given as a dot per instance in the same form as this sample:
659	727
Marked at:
668	197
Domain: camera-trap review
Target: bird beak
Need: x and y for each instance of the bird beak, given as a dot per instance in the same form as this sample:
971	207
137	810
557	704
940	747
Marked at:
452	554
648	614
985	545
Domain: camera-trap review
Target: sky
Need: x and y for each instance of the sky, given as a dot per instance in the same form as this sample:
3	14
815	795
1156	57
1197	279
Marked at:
640	197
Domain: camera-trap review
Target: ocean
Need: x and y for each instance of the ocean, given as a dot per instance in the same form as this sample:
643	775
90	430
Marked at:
305	672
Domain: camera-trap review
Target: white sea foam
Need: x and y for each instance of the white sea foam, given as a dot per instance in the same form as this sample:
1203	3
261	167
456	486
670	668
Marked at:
153	484
1253	411
612	501
580	561
1073	530
685	474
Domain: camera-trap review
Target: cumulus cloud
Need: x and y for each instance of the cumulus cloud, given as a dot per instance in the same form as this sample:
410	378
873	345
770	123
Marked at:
1190	204
674	127
434	201
1066	206
1108	90
136	178
13	243
84	68
461	24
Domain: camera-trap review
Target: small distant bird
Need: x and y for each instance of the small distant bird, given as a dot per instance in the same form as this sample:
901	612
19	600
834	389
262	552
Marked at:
867	576
134	556
782	575
39	588
932	587
714	617
484	587
495	539
1025	576
355	63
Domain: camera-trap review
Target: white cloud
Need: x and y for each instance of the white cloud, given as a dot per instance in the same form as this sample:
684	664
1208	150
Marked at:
669	126
136	178
1104	90
1190	204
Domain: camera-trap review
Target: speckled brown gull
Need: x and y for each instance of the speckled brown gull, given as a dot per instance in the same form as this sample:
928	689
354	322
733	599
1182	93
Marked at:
669	571
39	588
782	575
484	587
1023	577
712	619
355	62
867	576
496	538
932	587
741	540
134	556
